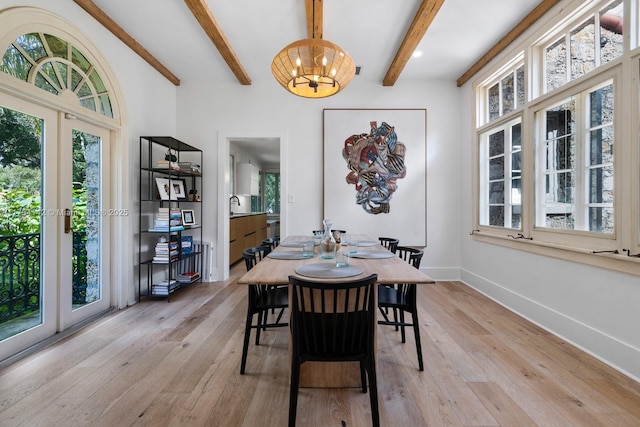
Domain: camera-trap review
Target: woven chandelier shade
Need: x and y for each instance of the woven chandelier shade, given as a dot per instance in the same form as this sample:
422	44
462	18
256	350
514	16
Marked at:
313	68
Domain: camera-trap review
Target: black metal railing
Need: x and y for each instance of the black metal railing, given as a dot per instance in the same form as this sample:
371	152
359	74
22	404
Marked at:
79	267
20	273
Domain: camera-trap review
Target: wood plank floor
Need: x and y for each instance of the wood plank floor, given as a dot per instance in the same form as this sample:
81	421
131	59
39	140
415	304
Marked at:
177	364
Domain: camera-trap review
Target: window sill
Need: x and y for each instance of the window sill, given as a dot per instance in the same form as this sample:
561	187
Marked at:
620	262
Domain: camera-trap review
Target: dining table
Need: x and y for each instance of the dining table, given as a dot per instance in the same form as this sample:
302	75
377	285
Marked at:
365	258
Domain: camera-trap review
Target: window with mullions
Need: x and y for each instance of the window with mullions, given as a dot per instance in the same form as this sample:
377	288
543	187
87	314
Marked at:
55	65
272	192
501	176
506	94
575	182
592	43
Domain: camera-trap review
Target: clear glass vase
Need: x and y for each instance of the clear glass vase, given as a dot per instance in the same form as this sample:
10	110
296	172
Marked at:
328	243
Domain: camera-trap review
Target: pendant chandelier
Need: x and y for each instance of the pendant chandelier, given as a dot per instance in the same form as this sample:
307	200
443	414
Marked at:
313	68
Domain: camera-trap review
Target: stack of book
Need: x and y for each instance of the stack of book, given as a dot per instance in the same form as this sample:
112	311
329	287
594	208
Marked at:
167	220
188	277
166	164
190	168
164	288
166	252
175	220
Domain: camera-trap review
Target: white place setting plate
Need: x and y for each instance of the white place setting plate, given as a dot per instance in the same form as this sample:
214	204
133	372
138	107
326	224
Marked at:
288	255
364	243
327	270
372	255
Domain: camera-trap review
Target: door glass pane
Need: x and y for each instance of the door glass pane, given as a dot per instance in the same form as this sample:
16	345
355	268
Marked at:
20	222
86	219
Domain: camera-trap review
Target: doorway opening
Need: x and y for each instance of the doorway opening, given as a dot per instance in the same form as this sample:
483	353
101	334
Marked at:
254	146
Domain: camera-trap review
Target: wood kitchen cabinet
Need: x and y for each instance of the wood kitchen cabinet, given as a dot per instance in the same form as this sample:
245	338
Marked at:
245	231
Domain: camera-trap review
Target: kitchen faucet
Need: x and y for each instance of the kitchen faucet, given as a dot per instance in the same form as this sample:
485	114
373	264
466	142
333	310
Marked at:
231	200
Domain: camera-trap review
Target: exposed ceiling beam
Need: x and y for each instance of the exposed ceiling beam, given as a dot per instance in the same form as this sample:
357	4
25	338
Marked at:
314	18
424	17
203	14
522	26
104	19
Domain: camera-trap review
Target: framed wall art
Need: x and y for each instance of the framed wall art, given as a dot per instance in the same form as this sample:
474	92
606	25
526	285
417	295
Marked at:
164	189
374	173
177	187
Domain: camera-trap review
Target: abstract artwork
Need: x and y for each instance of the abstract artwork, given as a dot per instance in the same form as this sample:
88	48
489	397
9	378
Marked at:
375	172
375	161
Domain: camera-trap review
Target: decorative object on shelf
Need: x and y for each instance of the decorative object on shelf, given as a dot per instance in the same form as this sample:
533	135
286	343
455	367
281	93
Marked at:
164	189
186	245
171	155
193	195
188	217
313	67
177	187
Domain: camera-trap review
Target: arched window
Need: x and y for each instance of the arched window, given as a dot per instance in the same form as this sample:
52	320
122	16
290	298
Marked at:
55	65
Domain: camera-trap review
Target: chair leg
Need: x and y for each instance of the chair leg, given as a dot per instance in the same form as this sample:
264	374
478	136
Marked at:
247	334
416	332
395	317
293	392
404	337
373	393
363	377
262	319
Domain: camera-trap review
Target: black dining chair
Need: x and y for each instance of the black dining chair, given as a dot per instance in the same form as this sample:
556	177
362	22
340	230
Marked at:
401	299
390	243
333	323
272	242
261	299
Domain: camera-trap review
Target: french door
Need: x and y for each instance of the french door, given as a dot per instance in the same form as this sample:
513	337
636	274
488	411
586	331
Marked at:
55	211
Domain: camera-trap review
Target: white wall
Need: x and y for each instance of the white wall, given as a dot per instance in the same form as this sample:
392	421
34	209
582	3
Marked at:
593	308
205	109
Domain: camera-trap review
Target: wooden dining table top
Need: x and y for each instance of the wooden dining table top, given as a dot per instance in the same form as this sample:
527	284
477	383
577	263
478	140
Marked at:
272	271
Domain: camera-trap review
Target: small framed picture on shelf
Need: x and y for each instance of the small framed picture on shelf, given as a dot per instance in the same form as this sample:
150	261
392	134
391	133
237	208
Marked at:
177	189
188	217
164	188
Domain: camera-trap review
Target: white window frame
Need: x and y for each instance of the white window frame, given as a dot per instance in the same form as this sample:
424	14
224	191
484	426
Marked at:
484	159
607	250
590	240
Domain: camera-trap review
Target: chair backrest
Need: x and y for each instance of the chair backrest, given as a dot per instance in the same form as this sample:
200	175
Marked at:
332	321
253	255
273	242
390	243
411	255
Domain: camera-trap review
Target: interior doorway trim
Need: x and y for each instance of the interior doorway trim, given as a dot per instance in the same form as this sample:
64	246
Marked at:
224	178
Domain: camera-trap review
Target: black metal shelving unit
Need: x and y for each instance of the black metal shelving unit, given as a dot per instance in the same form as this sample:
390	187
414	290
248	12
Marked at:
160	160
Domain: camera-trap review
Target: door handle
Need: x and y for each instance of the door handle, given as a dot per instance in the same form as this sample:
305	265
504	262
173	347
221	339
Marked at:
67	221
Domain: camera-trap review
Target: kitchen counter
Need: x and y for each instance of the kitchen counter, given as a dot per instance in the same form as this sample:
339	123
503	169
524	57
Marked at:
241	214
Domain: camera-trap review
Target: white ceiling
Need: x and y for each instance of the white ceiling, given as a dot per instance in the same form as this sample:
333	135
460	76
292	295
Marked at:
371	31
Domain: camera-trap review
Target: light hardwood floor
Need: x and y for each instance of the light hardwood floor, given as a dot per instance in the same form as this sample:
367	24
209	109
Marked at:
177	364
